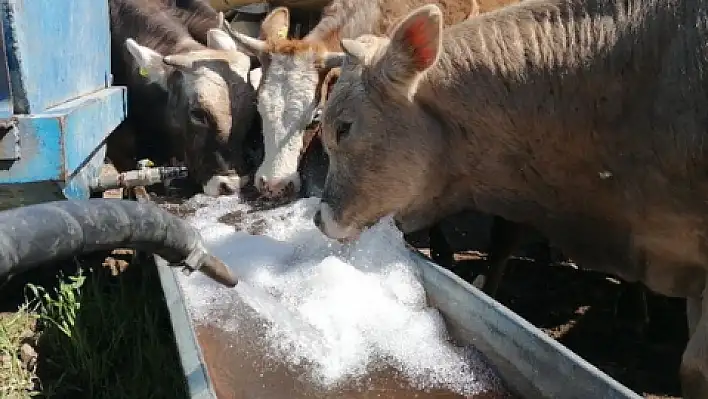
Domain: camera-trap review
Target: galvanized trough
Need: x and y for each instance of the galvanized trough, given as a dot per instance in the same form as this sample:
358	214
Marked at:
532	364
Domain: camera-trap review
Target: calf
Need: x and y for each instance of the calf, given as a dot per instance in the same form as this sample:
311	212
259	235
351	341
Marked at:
186	99
505	236
293	71
585	120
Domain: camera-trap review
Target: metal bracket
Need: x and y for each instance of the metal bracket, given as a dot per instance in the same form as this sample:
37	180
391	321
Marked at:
9	140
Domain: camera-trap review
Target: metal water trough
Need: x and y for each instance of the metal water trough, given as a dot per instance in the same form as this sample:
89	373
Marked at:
532	364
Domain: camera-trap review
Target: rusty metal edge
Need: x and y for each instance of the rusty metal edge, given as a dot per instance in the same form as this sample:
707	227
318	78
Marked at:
197	378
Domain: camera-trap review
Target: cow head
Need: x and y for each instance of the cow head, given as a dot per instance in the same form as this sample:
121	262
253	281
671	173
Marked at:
374	132
209	109
288	97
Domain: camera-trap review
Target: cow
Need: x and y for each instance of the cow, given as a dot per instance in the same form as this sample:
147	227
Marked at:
504	237
293	71
583	119
286	146
188	91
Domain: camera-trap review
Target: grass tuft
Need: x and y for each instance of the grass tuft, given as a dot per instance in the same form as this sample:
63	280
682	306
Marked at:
99	336
17	377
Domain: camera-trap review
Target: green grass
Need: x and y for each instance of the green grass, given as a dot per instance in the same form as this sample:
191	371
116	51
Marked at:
17	379
100	336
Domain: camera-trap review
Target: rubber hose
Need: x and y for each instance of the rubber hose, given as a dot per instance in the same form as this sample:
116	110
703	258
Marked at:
35	234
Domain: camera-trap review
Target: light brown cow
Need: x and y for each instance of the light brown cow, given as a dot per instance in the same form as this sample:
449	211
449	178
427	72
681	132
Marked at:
293	71
586	120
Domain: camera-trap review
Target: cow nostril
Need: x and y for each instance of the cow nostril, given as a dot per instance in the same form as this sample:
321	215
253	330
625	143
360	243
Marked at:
318	219
260	183
225	189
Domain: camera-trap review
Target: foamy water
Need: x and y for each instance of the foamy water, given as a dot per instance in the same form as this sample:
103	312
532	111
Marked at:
341	310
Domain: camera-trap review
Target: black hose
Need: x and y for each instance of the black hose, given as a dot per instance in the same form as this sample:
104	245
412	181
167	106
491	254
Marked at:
35	234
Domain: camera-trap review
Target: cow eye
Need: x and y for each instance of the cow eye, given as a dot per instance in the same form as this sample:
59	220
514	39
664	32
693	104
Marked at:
343	130
199	115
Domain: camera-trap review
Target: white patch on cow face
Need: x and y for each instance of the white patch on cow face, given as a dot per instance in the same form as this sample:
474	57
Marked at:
208	90
286	103
219	185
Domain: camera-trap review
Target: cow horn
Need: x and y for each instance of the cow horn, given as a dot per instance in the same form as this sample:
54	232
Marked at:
180	61
251	44
354	49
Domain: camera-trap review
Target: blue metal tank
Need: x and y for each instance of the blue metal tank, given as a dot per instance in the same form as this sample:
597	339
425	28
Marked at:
57	102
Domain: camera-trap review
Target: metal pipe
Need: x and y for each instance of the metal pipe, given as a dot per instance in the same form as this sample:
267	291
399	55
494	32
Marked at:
145	176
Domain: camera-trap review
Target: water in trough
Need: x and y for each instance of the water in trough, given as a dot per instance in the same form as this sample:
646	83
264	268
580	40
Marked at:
312	318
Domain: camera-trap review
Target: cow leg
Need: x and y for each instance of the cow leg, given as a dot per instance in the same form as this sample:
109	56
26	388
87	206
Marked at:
440	250
504	239
694	363
544	256
634	297
632	306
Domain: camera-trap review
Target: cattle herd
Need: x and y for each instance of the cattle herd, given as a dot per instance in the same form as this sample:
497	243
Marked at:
581	120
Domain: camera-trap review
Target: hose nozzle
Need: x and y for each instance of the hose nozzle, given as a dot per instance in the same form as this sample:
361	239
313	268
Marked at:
210	265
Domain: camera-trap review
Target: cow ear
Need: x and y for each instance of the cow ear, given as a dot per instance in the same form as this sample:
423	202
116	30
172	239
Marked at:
149	61
414	47
276	24
217	39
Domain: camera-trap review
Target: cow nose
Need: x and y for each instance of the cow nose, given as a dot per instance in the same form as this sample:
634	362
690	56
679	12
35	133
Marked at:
276	188
318	220
225	189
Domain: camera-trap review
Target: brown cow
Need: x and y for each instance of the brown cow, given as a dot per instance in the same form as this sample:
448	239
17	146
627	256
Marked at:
190	99
583	119
504	236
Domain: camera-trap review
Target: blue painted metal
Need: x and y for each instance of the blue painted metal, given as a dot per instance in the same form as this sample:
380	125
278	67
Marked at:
55	143
58	50
58	95
5	91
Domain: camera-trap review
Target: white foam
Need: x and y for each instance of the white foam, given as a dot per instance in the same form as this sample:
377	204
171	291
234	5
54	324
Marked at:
339	309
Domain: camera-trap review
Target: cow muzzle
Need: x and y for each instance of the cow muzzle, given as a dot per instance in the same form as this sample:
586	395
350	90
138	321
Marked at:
325	222
278	188
224	185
